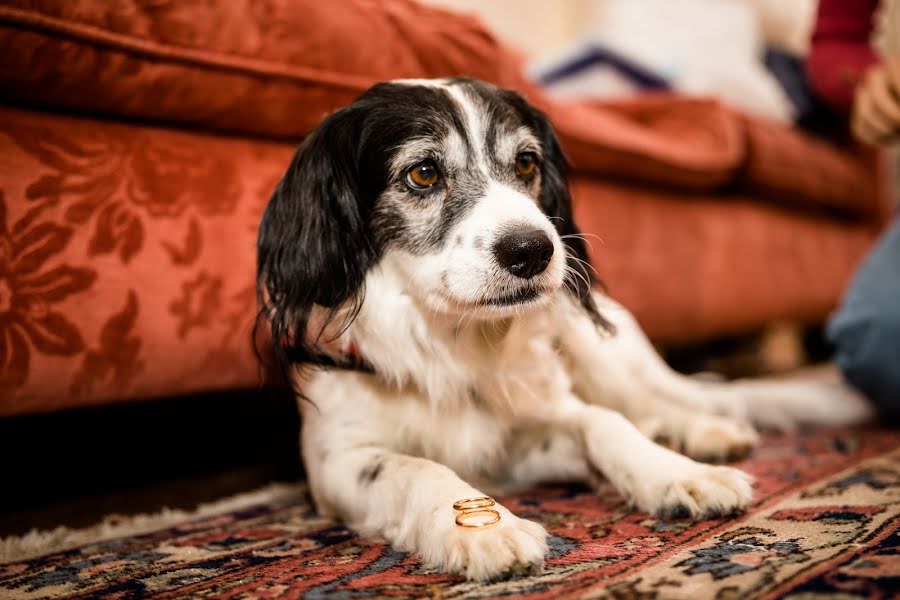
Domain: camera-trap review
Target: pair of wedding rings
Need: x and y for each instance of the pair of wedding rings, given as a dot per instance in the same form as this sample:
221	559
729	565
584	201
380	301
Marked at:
476	512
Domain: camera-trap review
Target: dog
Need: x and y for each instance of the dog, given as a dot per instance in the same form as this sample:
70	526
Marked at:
431	300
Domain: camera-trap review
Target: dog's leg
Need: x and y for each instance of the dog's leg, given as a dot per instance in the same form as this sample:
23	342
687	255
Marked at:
701	435
355	433
655	479
408	501
706	419
623	371
811	398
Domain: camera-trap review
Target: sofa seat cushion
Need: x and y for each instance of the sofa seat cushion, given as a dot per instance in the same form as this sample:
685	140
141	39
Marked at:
692	266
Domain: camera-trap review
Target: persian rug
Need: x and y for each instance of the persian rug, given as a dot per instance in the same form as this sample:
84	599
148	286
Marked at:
825	522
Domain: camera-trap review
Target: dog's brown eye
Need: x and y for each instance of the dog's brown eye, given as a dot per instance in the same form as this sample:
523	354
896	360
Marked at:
526	164
423	175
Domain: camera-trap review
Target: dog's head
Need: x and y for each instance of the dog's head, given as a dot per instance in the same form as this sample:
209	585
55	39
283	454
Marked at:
460	185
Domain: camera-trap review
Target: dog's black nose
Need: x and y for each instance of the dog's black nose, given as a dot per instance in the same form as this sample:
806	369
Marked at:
524	252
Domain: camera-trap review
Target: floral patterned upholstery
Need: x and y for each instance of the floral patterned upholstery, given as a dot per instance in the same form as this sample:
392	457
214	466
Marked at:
127	257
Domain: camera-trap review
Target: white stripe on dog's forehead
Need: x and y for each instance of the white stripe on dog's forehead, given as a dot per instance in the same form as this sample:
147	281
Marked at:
433	83
473	120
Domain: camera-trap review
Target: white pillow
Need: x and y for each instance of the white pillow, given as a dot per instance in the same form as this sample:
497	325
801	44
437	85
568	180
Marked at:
704	47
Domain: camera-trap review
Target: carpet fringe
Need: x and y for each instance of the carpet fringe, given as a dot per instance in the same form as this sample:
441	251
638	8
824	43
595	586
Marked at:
38	543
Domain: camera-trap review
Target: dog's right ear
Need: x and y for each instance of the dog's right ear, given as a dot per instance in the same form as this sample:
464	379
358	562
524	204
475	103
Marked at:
315	244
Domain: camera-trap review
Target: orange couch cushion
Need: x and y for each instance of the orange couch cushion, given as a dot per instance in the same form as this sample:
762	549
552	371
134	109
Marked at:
275	68
691	266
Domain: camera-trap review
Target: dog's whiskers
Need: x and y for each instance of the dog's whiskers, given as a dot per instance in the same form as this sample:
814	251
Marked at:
571	270
584	236
581	236
584	263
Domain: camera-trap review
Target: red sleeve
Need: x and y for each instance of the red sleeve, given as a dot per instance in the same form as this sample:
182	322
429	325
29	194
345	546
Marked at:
840	51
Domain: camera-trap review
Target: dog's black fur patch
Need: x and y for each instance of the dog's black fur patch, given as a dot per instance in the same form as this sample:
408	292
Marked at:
316	241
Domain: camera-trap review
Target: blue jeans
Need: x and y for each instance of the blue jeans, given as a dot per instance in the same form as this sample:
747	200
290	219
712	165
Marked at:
866	328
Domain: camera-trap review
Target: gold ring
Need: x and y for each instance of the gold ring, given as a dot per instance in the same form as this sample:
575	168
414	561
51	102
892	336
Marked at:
469	503
463	519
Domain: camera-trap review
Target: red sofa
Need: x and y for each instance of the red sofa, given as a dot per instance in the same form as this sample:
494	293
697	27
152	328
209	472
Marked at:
139	142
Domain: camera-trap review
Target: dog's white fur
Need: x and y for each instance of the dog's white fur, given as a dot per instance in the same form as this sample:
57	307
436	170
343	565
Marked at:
469	400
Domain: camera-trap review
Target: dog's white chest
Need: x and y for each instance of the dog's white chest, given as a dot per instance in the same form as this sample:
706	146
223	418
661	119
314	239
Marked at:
355	409
471	441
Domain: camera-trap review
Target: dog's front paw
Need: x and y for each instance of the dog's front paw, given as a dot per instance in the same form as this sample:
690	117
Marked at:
683	488
510	548
712	438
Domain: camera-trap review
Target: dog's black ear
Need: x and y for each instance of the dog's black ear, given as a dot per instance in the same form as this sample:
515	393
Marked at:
314	244
556	201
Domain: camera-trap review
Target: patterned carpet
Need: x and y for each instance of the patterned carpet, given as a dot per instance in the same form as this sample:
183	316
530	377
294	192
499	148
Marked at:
826	522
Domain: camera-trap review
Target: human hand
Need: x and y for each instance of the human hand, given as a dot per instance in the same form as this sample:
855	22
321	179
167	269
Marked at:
875	118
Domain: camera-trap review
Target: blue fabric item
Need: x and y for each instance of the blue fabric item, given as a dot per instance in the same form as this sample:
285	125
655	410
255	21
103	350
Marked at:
788	70
866	328
810	112
594	54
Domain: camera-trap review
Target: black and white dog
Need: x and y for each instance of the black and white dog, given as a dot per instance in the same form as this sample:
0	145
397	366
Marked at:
420	255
